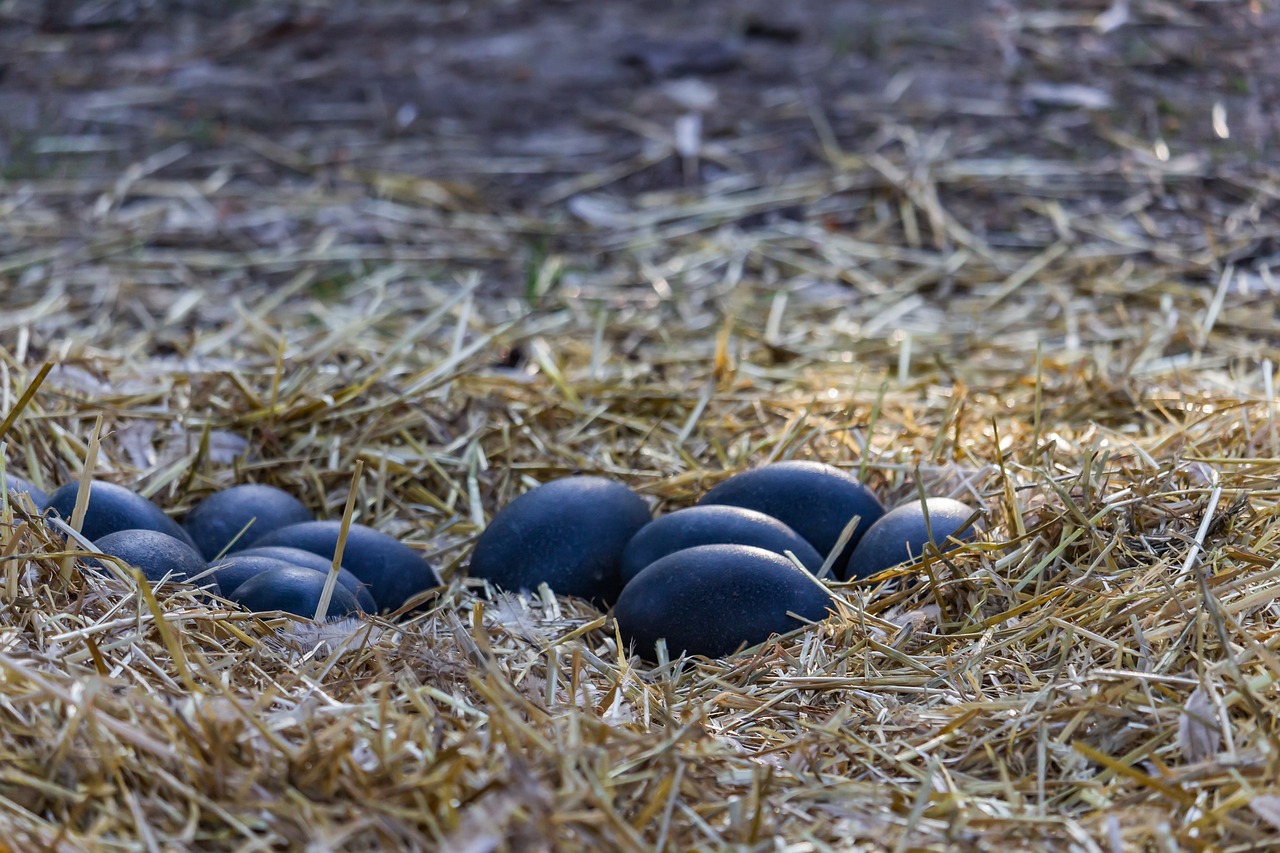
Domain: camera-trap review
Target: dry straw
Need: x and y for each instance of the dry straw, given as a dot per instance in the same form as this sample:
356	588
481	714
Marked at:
1098	673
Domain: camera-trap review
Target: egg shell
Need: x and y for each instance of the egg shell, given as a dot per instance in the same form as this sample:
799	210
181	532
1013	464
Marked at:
712	599
714	524
295	590
156	554
16	484
215	521
114	508
901	534
238	568
568	534
813	499
297	556
393	571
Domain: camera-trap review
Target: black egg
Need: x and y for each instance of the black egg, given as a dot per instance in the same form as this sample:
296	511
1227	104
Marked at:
295	590
711	599
297	556
156	554
568	534
17	485
215	521
114	508
901	534
239	567
393	571
815	500
713	524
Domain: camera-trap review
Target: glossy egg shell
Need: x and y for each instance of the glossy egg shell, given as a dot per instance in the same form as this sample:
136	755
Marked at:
215	521
114	508
18	485
901	534
568	534
156	554
295	590
711	599
714	524
297	556
813	499
393	571
238	568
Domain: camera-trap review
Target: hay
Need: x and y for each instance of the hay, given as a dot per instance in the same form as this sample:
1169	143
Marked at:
1099	673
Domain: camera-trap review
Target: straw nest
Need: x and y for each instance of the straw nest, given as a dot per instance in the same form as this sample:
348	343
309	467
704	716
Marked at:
1098	673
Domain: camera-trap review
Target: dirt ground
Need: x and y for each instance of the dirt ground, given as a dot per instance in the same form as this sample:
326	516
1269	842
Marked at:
525	102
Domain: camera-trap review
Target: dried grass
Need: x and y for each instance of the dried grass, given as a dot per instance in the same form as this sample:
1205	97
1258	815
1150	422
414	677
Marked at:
1098	674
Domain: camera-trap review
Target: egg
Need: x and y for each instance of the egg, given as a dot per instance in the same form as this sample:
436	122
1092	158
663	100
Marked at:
156	554
216	521
901	535
295	590
712	599
239	567
393	571
114	508
714	524
813	499
308	560
568	534
17	485
297	556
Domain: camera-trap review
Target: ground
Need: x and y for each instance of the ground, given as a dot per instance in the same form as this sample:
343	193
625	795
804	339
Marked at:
513	100
434	253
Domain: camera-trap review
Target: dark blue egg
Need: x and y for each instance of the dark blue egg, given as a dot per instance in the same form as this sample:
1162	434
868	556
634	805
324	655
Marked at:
713	524
114	508
17	485
239	567
902	533
218	519
712	599
568	534
297	556
156	554
393	571
815	500
293	589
